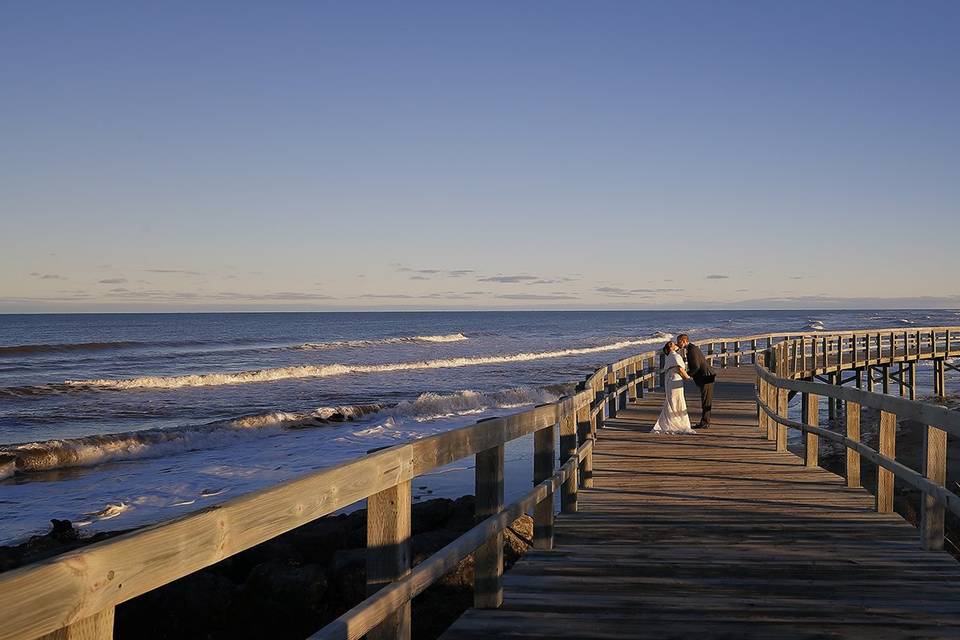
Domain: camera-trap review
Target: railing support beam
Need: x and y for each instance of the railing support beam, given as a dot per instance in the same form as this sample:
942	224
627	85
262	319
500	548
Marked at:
568	449
488	558
853	456
388	553
544	455
935	470
812	441
888	447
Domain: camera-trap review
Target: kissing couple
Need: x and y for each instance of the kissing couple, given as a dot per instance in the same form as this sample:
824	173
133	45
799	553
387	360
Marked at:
683	360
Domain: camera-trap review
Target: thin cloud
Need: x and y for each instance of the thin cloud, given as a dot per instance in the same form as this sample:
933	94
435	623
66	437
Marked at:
48	276
511	279
621	292
560	280
535	296
717	276
161	295
182	272
419	278
113	281
450	273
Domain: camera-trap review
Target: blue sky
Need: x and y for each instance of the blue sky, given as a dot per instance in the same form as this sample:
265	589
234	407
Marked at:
319	155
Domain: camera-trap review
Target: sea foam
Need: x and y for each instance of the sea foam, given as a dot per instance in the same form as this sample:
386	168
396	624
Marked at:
150	443
328	370
338	344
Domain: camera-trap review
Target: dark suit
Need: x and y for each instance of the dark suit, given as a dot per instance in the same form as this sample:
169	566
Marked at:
703	376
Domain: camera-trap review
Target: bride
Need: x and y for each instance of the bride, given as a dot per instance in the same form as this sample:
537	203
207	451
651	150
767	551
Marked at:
673	418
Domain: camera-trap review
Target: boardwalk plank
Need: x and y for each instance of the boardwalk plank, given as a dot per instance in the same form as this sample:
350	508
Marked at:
720	536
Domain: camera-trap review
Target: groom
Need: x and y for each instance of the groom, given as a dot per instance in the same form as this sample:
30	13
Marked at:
703	376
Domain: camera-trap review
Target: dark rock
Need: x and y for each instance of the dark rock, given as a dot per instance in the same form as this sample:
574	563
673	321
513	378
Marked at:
462	518
427	543
317	541
350	585
348	559
300	588
431	514
195	606
63	531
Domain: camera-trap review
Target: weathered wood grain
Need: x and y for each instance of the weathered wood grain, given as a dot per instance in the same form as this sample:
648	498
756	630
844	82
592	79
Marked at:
388	553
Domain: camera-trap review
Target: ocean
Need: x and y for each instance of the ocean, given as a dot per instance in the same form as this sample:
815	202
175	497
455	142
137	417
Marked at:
121	420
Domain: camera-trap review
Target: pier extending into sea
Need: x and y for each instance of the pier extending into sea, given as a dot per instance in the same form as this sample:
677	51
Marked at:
732	532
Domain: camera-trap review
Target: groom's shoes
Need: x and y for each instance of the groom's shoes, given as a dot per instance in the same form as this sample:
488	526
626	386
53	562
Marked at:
702	426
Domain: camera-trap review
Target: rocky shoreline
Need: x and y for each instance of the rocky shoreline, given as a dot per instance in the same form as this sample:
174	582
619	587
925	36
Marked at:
293	585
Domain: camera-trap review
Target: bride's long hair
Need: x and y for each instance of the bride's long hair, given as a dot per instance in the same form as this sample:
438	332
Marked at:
666	347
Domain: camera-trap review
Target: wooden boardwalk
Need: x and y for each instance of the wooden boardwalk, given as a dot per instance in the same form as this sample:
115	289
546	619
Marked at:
719	536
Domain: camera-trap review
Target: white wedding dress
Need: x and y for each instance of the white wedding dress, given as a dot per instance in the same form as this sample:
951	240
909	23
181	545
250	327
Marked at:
673	418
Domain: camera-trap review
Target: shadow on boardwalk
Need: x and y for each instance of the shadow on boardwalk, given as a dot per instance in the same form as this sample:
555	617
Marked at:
719	536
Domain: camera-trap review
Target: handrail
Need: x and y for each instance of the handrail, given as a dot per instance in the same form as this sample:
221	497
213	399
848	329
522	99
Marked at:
902	471
791	365
79	589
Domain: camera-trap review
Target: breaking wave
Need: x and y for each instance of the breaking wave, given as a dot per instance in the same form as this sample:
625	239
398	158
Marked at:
452	337
152	443
328	370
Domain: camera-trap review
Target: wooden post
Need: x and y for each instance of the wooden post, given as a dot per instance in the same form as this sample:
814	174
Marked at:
888	447
544	454
632	378
488	558
584	434
568	449
869	371
939	378
812	442
913	380
652	366
935	470
599	399
762	397
662	376
99	626
388	553
859	378
936	378
753	352
903	385
771	401
623	395
853	432
782	397
886	378
612	400
831	402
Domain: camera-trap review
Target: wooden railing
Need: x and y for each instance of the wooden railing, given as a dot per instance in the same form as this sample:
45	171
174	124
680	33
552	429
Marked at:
792	366
75	594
